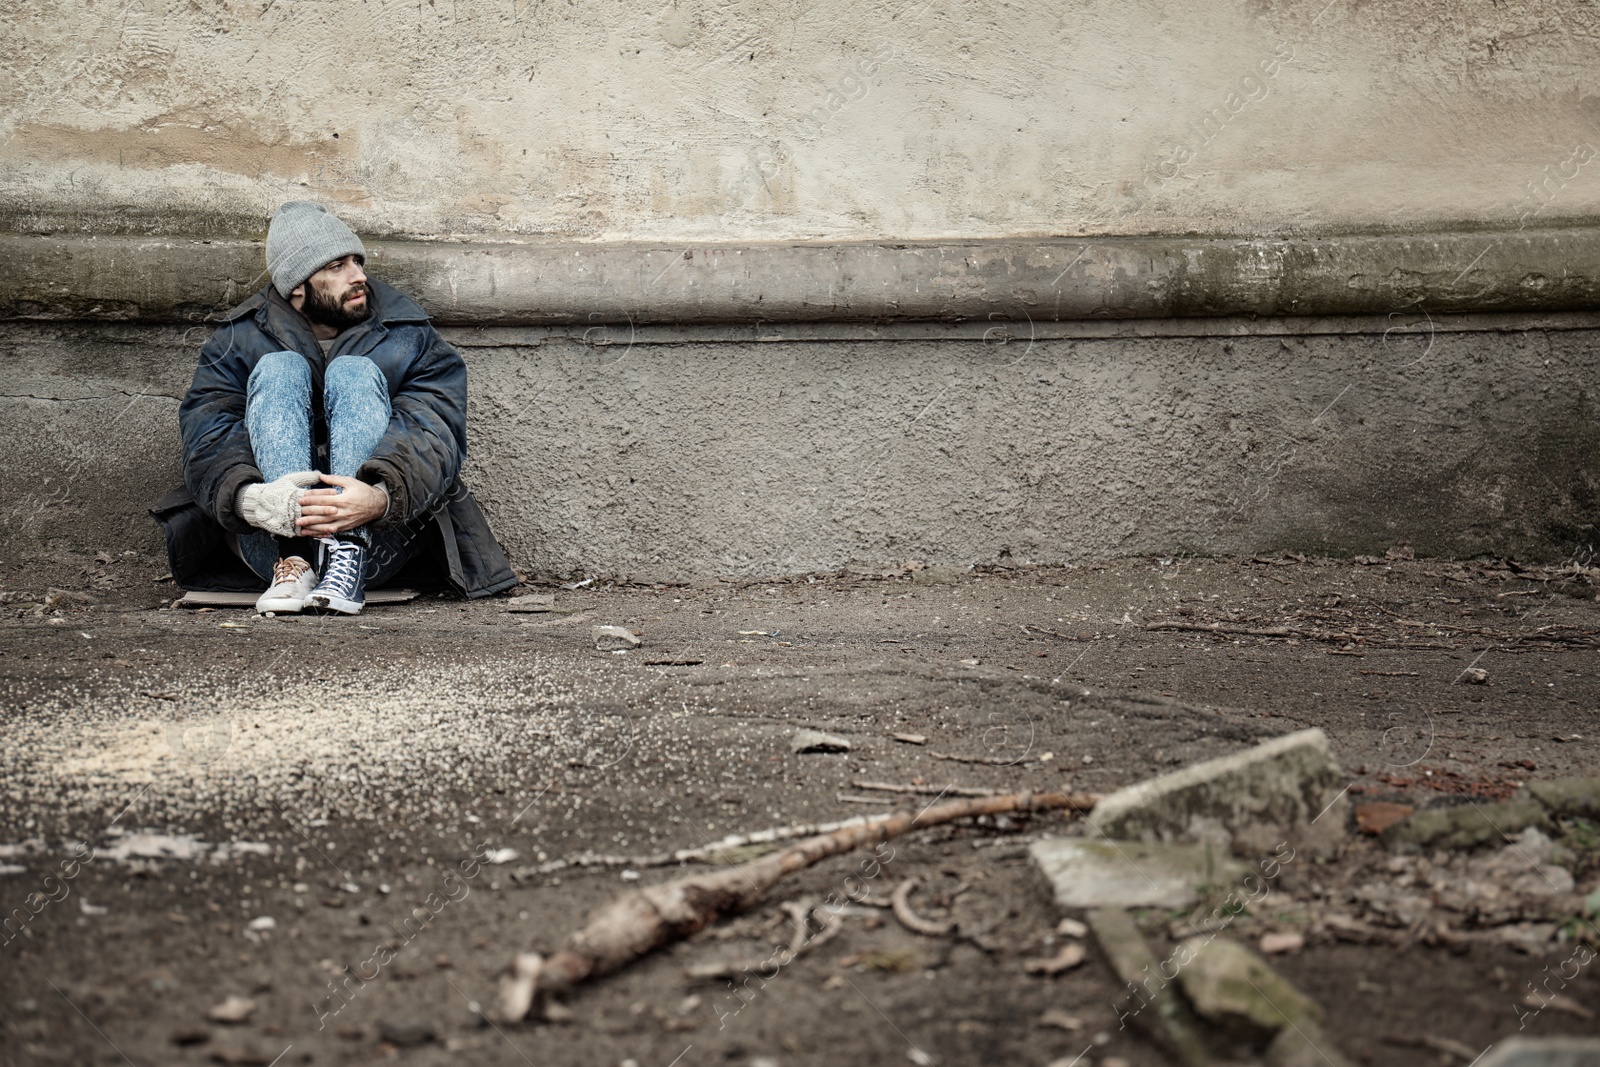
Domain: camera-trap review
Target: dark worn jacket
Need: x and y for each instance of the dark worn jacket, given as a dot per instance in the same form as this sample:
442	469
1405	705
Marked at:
419	457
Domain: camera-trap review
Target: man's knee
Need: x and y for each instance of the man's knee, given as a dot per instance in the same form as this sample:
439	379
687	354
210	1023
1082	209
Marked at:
352	374
280	370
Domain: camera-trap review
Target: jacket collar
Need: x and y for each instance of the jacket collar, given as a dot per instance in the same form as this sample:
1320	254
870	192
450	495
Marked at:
275	314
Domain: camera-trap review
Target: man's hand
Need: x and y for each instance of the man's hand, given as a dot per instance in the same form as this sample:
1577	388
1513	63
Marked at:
274	506
325	512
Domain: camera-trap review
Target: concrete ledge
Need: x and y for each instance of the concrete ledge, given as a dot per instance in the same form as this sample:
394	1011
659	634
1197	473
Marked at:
175	280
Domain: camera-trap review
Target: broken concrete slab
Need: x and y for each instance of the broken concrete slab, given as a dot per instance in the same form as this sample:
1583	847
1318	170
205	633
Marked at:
1467	825
1150	1001
1544	1052
1251	1006
1131	874
1236	990
1482	823
1573	797
1288	789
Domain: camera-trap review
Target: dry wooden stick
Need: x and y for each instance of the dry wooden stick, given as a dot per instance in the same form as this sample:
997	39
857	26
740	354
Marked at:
1225	628
643	920
900	901
927	790
690	855
988	761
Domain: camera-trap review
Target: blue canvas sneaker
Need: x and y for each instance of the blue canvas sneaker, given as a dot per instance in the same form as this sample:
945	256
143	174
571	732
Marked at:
344	578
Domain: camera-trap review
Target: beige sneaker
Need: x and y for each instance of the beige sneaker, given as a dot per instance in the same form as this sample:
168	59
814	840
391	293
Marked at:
292	581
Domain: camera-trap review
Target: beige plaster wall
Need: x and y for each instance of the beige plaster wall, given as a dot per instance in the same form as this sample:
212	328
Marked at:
698	120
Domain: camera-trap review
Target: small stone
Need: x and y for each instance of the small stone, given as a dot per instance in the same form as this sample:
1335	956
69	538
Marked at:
407	1033
816	741
233	1010
1474	676
1274	944
533	603
262	922
614	638
1061	1020
1072	928
911	739
238	1056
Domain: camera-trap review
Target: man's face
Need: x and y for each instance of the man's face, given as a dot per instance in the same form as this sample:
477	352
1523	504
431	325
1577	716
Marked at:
337	296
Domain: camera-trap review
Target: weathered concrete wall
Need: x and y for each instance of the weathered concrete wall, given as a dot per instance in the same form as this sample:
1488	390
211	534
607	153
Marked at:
699	120
834	176
721	457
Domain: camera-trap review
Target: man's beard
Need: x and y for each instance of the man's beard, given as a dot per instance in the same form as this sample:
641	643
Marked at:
327	311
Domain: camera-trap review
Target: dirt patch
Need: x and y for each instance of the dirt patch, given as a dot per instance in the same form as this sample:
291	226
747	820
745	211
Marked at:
351	779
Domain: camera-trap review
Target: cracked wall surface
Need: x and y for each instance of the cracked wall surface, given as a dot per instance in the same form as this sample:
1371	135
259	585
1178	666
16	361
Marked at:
665	460
705	120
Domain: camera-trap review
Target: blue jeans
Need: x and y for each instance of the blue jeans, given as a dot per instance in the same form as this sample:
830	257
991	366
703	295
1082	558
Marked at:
277	415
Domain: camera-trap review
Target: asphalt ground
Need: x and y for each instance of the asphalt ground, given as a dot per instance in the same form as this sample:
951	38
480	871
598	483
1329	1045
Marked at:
390	792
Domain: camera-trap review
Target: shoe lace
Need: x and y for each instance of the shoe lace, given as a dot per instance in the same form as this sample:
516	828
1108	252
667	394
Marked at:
343	559
289	570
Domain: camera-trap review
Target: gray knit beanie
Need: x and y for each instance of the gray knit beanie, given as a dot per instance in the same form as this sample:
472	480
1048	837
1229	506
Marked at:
302	239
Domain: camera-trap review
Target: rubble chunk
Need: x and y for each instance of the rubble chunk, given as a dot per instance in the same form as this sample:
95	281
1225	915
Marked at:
805	741
614	638
1285	789
1246	1000
1569	796
1132	874
1234	988
1467	825
1165	1015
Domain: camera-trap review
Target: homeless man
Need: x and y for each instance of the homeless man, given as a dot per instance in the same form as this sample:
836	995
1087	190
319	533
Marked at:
323	439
